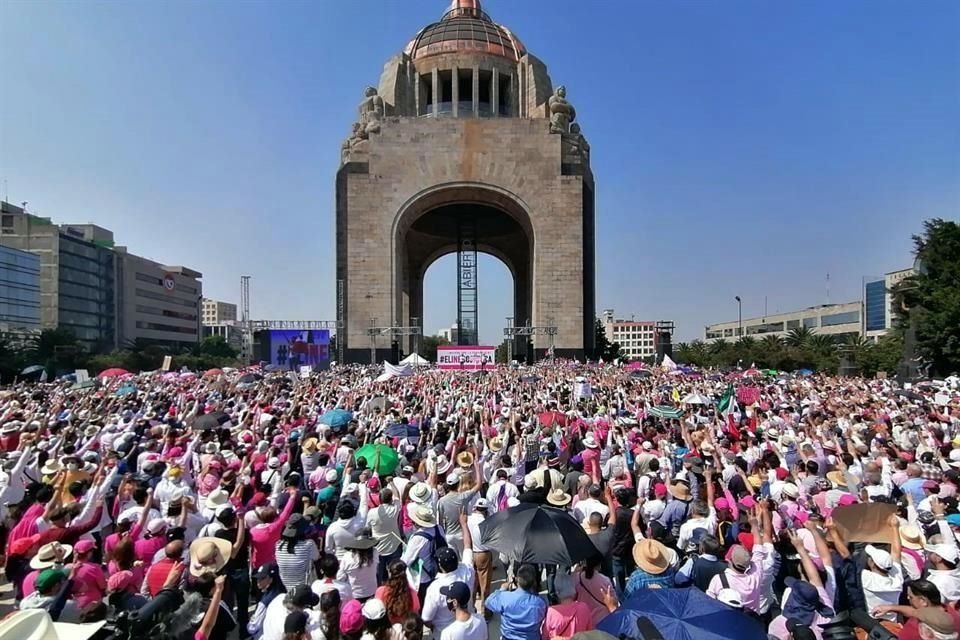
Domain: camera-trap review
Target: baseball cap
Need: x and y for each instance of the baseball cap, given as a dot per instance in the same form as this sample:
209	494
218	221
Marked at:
946	551
881	558
447	559
457	591
481	503
740	558
374	609
50	577
264	570
351	617
659	490
730	598
83	546
781	473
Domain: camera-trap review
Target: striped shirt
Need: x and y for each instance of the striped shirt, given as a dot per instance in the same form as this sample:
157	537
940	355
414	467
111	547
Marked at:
297	568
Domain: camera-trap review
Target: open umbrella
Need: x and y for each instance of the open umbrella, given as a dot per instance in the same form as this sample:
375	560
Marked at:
805	372
696	398
249	378
379	457
336	418
34	368
641	373
114	372
212	373
380	402
679	614
212	420
748	395
664	411
537	534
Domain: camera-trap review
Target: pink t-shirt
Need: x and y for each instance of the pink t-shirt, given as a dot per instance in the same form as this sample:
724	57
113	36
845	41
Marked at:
89	585
146	548
29	583
27	526
591	463
264	537
567	618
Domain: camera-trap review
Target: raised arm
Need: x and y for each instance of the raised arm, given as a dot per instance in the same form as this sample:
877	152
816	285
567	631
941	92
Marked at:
809	569
210	617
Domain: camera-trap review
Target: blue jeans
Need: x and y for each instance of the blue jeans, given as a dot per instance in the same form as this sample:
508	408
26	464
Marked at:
384	562
619	576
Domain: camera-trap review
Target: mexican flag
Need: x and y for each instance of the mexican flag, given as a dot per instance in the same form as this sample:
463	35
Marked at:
726	406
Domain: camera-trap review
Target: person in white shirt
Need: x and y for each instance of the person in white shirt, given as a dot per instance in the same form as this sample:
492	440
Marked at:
465	625
435	612
348	524
358	566
500	491
882	578
482	555
384	524
584	508
702	516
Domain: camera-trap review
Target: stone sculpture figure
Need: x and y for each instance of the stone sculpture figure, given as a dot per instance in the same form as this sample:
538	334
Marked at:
582	143
562	112
371	110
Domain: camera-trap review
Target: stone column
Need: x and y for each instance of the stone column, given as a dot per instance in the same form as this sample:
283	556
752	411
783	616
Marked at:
435	75
416	94
476	92
455	92
495	93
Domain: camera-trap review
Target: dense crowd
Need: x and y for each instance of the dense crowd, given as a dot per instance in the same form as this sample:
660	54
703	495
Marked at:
268	506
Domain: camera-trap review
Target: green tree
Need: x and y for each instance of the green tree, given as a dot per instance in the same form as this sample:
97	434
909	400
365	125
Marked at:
883	356
58	350
429	346
501	355
798	337
216	346
603	348
930	299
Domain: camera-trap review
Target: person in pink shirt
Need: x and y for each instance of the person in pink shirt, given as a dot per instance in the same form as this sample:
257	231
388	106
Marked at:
264	537
89	585
568	617
154	539
591	458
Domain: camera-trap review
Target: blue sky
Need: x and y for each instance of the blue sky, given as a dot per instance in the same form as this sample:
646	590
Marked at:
740	148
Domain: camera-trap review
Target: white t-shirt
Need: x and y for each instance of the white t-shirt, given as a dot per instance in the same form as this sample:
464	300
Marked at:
276	616
435	603
362	580
879	590
473	629
585	508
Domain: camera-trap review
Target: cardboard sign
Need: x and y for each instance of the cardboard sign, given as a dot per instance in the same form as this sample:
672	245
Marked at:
305	370
167	363
865	522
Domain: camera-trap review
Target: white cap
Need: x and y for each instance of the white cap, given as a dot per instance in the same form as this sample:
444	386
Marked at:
331	476
647	445
730	598
883	559
946	551
373	609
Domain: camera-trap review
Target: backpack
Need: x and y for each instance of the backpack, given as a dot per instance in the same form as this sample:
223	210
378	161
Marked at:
435	541
502	503
750	612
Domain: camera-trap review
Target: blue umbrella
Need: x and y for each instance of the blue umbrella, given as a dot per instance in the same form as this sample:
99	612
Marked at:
34	368
805	372
336	418
126	390
680	614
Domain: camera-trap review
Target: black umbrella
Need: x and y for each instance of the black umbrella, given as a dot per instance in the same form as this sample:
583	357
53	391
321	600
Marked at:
249	378
211	420
537	534
912	395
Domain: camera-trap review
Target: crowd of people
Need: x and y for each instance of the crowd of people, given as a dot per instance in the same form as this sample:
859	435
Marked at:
207	507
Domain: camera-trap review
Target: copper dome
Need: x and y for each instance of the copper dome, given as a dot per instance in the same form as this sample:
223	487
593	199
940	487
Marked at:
465	27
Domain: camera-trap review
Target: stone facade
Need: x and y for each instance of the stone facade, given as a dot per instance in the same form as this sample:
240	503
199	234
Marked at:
530	190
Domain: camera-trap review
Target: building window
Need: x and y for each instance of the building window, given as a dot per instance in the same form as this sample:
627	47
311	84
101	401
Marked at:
875	305
793	324
811	323
834	319
153	326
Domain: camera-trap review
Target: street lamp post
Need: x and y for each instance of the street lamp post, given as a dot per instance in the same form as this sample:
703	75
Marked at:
739	316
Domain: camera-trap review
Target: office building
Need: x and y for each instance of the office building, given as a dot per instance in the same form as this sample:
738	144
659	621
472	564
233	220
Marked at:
880	312
158	303
101	293
214	312
451	335
229	331
77	274
19	292
839	320
637	338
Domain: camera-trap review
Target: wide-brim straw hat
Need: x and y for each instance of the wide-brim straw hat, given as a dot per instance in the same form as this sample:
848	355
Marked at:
423	516
680	490
836	477
558	498
911	537
47	556
465	459
651	556
496	443
209	555
36	624
310	444
420	492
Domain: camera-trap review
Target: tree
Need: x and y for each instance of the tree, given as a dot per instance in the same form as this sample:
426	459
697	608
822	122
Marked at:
884	356
930	299
603	348
429	345
57	349
501	355
798	337
216	346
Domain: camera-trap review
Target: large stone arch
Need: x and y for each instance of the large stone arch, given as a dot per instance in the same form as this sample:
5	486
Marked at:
422	233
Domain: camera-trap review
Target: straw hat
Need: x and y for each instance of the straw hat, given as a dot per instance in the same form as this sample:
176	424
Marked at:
52	467
47	555
423	516
443	465
496	443
465	459
36	624
911	537
680	490
590	443
558	497
209	554
420	492
836	477
790	490
310	445
651	556
217	498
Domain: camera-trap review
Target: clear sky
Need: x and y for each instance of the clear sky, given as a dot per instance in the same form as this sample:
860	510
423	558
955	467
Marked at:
740	148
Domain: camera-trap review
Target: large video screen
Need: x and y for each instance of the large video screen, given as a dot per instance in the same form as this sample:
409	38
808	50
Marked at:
292	349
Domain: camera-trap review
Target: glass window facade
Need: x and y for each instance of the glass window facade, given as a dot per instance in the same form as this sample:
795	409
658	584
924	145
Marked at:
793	324
19	290
811	323
834	319
87	291
875	305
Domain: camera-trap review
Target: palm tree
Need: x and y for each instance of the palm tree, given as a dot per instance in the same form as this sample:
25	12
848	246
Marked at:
821	344
699	349
799	337
683	352
719	346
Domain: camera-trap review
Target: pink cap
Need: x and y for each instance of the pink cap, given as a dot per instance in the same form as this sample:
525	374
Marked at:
234	464
721	503
660	490
802	517
846	499
83	546
748	502
373	483
351	617
175	452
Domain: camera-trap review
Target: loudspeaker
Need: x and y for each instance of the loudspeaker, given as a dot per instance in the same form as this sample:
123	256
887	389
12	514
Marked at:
664	345
395	352
530	356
